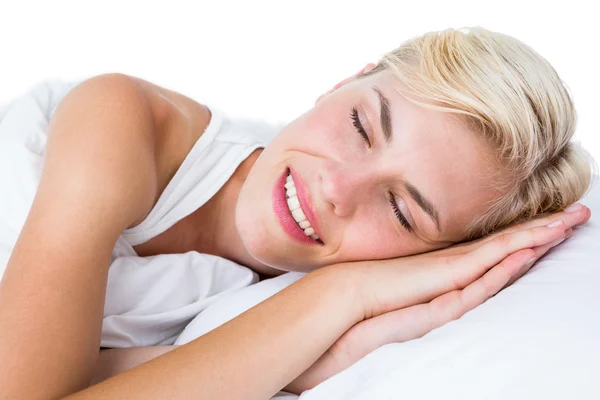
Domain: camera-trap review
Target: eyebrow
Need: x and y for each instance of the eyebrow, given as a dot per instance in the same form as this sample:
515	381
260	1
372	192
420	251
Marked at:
385	117
424	204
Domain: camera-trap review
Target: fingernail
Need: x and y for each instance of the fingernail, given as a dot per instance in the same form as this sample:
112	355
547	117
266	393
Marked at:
573	208
531	261
557	241
568	232
555	224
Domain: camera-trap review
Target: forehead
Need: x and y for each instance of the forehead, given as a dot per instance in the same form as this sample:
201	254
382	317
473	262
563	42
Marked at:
435	151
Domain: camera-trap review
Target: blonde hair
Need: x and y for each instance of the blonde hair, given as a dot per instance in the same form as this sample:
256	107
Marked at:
511	96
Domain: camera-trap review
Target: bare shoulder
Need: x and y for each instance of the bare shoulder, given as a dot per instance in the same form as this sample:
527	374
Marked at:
148	129
101	148
180	121
120	139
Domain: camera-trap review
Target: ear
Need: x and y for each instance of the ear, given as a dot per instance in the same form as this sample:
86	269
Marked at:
365	69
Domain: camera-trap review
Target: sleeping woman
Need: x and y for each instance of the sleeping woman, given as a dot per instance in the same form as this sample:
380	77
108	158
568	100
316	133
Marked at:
410	193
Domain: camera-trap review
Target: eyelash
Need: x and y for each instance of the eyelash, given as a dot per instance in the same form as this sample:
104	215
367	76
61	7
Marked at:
358	126
361	131
399	214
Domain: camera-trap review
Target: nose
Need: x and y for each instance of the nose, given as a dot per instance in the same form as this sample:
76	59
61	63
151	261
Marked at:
345	185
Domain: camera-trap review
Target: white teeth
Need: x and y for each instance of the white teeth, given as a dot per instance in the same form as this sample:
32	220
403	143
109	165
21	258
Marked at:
293	203
294	206
304	224
298	215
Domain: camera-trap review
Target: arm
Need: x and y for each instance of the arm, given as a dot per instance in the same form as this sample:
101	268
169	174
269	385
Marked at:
242	359
112	362
96	180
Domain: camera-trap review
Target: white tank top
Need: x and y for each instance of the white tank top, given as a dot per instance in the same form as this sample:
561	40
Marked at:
225	143
149	300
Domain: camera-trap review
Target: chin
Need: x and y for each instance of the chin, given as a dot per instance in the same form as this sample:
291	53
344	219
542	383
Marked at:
262	248
254	234
260	233
260	244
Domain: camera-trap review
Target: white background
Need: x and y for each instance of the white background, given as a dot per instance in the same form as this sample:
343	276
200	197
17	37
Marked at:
271	60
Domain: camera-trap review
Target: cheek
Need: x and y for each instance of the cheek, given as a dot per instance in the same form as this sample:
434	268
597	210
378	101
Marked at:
325	132
331	130
371	238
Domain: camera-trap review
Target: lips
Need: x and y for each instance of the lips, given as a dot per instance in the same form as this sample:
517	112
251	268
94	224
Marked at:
287	222
305	203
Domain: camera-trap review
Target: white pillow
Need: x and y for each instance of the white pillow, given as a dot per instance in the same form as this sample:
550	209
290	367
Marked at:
232	304
539	338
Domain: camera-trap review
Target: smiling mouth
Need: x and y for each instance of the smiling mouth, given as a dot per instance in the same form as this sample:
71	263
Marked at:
296	210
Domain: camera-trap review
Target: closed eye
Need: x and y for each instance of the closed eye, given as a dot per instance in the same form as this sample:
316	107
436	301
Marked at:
358	126
399	214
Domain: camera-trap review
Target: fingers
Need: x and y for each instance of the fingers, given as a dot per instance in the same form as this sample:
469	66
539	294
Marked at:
469	267
494	251
578	210
455	304
577	215
569	233
539	252
415	321
574	215
495	279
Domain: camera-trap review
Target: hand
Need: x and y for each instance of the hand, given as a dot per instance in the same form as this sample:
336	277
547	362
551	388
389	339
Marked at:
577	215
388	285
572	219
463	267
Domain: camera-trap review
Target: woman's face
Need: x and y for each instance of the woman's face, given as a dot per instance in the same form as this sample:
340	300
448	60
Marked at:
423	161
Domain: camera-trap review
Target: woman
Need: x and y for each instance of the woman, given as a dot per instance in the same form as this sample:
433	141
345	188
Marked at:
449	138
